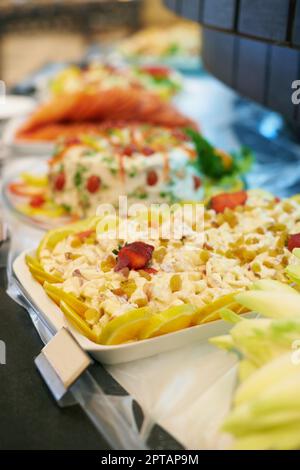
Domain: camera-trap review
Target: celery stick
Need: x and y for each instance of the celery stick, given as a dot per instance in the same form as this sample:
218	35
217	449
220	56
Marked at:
223	342
270	303
276	370
246	368
270	285
281	438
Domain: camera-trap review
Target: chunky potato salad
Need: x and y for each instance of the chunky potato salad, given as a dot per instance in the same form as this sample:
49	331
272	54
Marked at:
129	289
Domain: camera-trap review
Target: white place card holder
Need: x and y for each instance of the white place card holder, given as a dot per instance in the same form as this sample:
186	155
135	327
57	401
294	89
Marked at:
61	362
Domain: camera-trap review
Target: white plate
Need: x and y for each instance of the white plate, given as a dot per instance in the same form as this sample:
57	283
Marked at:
12	174
111	354
23	147
14	105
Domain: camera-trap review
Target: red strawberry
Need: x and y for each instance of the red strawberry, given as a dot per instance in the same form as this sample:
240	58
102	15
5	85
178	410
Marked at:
152	178
37	201
136	255
60	181
93	184
294	241
228	200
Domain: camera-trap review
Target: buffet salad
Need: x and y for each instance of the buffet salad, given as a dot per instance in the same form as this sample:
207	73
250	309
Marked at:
100	76
118	290
146	163
194	245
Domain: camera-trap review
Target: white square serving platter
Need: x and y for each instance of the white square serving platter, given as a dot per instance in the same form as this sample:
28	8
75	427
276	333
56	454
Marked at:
54	317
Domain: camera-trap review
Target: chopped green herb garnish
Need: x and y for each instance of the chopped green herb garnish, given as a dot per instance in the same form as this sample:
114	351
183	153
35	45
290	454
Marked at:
78	175
173	49
90	153
211	163
67	208
108	159
78	179
132	174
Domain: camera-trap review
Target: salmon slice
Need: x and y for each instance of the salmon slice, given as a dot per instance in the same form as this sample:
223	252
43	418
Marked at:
81	112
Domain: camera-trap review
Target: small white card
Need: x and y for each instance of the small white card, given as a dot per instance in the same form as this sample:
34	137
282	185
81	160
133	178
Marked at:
66	357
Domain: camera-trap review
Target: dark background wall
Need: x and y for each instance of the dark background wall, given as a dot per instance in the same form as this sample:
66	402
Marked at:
251	45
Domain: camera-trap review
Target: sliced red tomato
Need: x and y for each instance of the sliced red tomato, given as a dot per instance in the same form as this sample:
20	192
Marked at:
152	178
294	241
147	151
60	181
129	150
157	71
22	189
93	184
37	201
228	200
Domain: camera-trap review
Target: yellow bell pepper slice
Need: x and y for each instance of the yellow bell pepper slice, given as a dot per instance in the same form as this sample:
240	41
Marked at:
126	327
52	212
33	180
77	305
173	319
78	322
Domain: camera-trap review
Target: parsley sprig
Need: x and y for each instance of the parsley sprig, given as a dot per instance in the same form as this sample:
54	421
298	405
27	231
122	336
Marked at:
211	164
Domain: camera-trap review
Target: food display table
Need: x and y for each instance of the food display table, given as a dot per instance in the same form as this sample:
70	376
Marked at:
29	417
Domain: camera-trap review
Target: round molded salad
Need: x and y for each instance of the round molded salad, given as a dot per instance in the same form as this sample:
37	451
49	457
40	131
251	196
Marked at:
93	77
148	164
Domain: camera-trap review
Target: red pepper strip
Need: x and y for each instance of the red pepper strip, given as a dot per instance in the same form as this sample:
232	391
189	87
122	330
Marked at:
228	200
22	189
